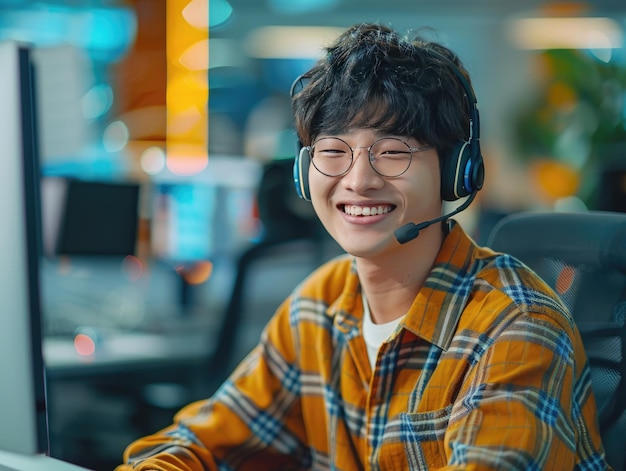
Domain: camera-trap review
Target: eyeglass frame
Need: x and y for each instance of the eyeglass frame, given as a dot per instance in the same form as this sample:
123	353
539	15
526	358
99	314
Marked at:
371	157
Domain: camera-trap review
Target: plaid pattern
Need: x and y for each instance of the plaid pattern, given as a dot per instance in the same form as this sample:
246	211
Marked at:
487	371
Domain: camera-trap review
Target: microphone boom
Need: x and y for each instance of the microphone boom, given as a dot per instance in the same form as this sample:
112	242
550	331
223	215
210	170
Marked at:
410	231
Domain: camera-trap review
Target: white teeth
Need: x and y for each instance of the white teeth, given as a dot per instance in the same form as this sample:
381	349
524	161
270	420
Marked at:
365	210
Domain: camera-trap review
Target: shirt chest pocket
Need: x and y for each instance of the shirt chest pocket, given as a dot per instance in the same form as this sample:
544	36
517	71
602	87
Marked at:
422	435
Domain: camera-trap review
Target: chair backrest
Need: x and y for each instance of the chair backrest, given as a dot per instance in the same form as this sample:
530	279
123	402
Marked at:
582	256
265	274
293	243
284	216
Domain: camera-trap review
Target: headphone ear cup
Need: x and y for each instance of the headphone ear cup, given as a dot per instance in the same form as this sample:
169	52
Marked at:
449	172
301	173
462	172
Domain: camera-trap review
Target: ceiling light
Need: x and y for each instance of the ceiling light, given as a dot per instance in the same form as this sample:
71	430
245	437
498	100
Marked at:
566	33
286	42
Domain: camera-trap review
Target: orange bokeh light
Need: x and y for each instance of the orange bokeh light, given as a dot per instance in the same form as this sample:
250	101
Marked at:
84	345
555	179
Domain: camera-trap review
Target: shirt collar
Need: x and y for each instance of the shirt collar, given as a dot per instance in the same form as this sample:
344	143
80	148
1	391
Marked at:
436	310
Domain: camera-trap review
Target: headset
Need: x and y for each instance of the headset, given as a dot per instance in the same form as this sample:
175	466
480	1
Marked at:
462	171
303	155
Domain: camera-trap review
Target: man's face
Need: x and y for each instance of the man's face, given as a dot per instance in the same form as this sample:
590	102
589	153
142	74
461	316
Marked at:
345	204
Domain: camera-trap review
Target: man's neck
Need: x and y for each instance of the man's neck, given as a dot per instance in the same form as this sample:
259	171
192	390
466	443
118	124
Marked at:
391	283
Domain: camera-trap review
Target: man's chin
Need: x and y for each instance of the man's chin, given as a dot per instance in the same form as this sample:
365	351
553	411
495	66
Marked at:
367	249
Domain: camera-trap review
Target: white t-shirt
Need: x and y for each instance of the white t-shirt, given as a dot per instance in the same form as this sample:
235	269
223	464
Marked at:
375	334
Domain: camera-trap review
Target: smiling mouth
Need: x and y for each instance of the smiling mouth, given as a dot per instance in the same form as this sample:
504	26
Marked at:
353	210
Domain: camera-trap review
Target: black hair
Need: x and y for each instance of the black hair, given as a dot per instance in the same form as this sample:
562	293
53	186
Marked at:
371	77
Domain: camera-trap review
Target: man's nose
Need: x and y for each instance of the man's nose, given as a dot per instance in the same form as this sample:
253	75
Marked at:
362	176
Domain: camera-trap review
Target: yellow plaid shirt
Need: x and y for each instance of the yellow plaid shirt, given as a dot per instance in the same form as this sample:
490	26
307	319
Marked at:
486	372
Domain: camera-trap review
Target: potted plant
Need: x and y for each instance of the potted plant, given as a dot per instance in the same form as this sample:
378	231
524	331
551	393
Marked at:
572	132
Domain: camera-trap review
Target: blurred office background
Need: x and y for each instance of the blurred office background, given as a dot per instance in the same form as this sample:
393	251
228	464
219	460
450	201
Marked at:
166	138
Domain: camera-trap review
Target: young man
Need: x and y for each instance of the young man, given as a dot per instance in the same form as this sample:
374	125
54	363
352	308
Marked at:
418	349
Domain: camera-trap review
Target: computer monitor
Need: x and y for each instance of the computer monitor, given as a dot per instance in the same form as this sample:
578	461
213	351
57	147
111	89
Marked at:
23	427
23	415
205	216
89	217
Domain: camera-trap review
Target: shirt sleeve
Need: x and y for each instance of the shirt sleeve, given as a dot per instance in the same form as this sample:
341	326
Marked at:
252	422
527	403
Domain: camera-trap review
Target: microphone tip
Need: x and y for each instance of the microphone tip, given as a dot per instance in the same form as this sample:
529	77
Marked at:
407	232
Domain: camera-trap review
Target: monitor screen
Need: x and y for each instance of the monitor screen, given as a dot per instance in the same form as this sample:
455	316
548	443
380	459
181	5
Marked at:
182	219
208	215
91	218
23	427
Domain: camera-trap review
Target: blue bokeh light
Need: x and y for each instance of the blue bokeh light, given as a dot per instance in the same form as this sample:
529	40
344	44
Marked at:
301	6
105	33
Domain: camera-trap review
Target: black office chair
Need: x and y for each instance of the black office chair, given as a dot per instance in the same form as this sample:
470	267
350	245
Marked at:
292	245
583	257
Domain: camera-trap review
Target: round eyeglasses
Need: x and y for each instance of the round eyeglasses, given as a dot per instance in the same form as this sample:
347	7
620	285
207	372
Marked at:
389	156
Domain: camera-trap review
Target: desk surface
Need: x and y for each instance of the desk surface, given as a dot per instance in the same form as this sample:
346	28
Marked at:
122	352
16	462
